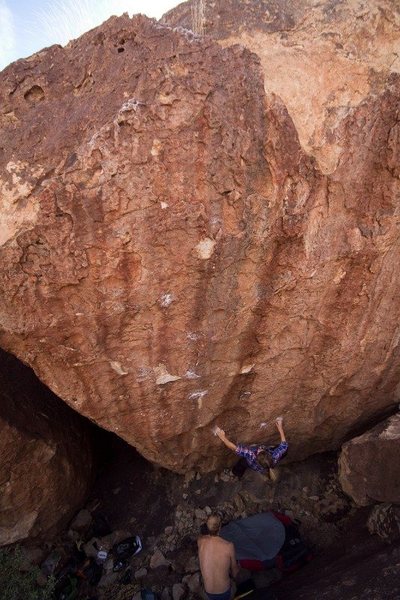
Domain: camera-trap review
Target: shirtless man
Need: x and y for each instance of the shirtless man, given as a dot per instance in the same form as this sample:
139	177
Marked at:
217	561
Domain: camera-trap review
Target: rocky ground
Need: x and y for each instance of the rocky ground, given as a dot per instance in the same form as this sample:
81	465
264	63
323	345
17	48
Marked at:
131	497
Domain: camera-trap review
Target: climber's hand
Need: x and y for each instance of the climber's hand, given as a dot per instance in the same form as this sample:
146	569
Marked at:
219	432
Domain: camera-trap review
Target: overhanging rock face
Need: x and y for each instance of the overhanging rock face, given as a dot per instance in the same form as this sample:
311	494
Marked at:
171	257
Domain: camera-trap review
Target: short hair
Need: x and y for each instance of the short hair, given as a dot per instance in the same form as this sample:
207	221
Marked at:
264	459
213	524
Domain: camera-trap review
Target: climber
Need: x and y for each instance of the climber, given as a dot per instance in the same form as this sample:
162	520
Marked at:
260	458
217	561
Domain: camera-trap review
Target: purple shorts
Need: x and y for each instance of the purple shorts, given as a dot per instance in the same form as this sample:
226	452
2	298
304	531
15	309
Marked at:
225	596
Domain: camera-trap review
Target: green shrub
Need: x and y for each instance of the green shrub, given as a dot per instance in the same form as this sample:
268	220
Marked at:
16	584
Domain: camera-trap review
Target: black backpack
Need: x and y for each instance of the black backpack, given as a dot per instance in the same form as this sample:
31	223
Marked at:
294	552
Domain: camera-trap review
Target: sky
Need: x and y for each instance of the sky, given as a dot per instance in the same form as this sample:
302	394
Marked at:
26	26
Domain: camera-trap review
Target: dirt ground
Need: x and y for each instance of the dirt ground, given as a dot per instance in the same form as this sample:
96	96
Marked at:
136	496
145	500
167	510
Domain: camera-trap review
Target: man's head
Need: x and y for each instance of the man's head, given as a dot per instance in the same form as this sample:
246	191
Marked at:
213	524
264	459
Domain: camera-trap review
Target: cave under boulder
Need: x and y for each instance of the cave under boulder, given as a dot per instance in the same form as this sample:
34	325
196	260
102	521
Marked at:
46	466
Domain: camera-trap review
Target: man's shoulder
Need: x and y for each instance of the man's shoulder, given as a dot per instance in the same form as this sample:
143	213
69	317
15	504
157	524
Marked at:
214	540
244	447
282	447
202	539
225	543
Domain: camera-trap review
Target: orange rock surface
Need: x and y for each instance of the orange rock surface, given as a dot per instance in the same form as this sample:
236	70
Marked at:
182	246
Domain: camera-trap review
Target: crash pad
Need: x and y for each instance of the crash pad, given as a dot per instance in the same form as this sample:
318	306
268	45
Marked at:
259	537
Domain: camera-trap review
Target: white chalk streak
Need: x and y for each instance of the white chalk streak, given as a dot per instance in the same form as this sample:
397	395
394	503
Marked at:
197	395
162	375
118	368
191	375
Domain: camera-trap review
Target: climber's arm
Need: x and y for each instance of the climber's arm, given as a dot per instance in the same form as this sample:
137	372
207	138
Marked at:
221	434
279	427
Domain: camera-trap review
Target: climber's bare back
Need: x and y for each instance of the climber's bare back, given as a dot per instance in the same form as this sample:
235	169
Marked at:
217	561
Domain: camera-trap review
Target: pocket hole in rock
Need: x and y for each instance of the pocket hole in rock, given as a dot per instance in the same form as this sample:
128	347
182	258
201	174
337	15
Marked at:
34	95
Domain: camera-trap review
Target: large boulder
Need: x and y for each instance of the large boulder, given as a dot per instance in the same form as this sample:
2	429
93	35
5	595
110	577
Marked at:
369	465
46	456
173	256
